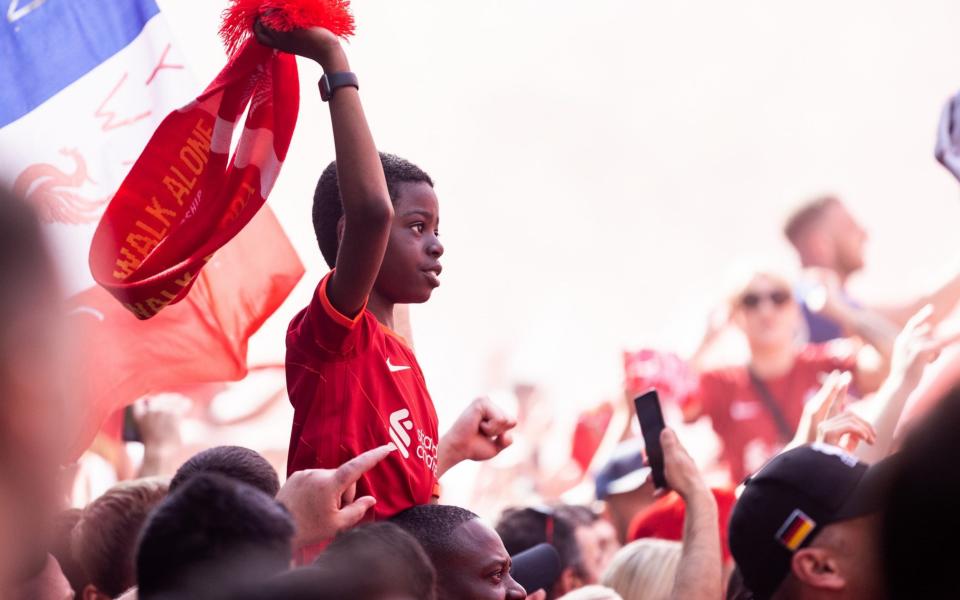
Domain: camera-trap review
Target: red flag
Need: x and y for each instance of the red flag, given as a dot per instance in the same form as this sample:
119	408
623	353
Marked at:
186	196
204	338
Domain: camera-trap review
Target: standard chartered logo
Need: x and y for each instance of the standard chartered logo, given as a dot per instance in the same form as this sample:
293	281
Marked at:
400	424
400	429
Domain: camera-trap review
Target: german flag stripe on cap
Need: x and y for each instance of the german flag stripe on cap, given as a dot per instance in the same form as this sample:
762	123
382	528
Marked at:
795	530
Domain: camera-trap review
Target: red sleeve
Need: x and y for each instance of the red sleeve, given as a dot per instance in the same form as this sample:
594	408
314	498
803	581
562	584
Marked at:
328	329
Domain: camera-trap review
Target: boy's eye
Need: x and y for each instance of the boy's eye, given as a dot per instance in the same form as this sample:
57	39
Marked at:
418	227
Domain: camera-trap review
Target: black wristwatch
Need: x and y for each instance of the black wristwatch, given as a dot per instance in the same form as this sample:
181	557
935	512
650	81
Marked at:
334	81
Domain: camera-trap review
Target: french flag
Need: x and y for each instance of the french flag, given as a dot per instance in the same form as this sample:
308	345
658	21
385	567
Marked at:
84	84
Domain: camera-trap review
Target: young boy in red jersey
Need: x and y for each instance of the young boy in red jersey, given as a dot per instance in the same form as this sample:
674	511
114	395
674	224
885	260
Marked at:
354	383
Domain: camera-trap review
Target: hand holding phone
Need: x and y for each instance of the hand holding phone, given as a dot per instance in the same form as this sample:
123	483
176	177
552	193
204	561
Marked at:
651	425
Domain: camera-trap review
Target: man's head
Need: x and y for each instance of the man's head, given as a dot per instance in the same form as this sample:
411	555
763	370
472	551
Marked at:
645	568
105	538
825	234
212	533
524	528
625	487
380	561
596	539
411	265
763	307
806	526
234	462
469	557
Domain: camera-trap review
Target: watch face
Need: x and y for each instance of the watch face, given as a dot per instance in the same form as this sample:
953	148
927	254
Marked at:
324	88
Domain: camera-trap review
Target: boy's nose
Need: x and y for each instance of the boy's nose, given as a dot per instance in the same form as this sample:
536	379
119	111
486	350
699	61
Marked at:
435	249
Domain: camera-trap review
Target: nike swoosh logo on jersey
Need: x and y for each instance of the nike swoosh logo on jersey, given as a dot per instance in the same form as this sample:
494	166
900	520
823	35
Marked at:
394	368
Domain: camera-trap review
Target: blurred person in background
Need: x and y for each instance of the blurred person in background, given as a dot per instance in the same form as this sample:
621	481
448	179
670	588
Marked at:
322	502
234	462
624	486
921	522
105	538
664	520
645	570
596	536
61	549
34	416
575	542
211	535
379	561
755	408
830	245
593	592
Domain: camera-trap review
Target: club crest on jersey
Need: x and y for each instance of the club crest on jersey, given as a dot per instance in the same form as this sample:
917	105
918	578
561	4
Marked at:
400	424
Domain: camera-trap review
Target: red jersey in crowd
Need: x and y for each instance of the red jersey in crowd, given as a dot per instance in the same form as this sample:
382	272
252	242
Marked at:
747	428
356	385
664	519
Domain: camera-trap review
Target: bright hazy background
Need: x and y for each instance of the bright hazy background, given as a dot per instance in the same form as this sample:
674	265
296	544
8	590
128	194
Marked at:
601	164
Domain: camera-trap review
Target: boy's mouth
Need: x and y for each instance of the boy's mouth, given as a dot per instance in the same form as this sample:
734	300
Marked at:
433	275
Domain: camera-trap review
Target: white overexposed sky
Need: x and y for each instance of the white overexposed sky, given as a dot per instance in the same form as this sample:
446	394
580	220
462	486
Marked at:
601	164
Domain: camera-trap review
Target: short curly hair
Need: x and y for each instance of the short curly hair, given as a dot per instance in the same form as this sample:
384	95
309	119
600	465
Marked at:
328	207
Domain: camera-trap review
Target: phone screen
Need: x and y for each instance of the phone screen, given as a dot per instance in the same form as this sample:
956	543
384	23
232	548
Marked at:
651	424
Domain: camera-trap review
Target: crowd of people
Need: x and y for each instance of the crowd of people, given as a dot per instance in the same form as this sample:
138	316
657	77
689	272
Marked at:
835	478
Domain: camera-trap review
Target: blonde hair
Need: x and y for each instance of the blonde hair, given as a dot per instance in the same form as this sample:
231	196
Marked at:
592	592
644	569
743	274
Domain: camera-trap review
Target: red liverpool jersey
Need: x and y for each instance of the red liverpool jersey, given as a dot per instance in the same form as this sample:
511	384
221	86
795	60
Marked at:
356	385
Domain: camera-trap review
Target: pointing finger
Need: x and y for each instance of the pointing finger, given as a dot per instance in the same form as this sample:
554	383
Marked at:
352	470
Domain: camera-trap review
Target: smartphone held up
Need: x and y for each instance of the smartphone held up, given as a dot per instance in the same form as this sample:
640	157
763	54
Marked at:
651	425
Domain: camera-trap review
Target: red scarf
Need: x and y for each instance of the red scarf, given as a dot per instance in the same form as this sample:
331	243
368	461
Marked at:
186	197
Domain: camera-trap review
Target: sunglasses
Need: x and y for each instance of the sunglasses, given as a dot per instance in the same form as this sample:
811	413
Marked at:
778	298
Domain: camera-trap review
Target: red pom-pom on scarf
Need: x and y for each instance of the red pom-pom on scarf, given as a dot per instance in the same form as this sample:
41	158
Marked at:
283	15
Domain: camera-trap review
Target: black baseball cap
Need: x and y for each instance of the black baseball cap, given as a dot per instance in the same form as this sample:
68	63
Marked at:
536	568
790	500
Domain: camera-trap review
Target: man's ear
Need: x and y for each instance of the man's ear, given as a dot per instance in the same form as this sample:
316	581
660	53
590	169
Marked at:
90	592
816	568
567	583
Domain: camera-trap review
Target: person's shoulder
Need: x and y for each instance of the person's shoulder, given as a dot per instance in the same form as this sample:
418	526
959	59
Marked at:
729	375
835	351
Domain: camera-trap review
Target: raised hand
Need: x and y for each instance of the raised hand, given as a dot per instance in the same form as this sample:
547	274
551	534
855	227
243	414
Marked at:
854	427
681	472
481	432
323	501
828	402
916	347
315	43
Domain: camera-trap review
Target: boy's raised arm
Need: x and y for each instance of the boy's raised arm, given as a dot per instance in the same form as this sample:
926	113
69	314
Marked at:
367	209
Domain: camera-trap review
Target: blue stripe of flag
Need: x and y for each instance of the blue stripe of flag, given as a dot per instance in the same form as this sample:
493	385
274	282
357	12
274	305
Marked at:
57	43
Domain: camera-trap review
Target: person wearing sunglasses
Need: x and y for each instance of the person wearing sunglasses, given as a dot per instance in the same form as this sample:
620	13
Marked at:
755	407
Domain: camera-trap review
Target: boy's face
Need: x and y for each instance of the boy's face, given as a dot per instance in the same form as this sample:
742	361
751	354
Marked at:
411	265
